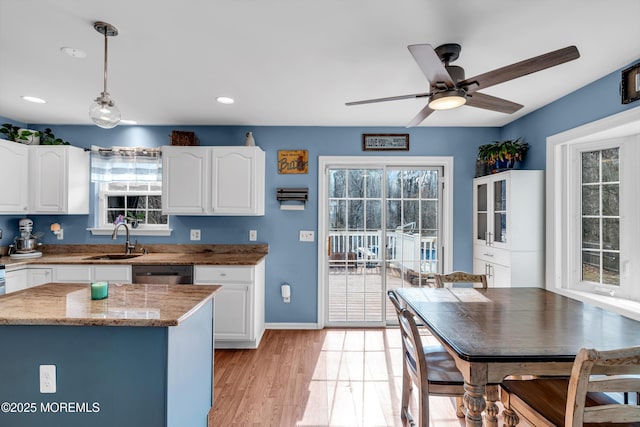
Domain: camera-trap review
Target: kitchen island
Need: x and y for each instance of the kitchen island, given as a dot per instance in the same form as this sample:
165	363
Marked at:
141	357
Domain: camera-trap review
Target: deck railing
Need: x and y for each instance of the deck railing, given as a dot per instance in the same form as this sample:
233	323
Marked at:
404	250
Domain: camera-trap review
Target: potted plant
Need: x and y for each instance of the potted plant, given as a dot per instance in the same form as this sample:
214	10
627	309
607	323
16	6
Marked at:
48	138
9	131
503	154
134	218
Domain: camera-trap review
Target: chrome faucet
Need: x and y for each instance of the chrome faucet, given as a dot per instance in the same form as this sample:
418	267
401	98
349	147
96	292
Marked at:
127	244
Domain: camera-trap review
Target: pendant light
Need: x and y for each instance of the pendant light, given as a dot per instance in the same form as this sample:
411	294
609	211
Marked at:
103	111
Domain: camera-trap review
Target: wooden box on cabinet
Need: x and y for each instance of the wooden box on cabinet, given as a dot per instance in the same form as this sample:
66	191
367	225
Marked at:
508	228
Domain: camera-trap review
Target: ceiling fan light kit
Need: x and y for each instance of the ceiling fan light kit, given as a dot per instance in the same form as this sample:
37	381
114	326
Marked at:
448	100
103	111
448	88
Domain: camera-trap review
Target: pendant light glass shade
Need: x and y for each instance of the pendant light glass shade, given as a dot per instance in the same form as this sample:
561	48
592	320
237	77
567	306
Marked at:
103	111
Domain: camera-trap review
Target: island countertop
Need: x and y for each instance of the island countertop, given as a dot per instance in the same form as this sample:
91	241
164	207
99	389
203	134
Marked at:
127	305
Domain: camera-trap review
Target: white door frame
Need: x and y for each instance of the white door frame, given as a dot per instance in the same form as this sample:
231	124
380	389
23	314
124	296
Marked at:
324	162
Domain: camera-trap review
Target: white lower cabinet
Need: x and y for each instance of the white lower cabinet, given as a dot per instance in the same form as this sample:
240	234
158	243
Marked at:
39	275
239	304
16	280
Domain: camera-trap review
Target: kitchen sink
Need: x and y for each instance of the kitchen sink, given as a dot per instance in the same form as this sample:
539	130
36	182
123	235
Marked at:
107	257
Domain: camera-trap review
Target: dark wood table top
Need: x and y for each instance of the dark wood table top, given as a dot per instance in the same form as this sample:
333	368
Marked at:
518	324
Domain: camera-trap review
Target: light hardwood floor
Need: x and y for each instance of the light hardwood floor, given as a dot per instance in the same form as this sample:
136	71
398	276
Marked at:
329	377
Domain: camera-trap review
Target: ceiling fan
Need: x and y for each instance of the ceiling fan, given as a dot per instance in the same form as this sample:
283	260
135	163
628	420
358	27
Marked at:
449	89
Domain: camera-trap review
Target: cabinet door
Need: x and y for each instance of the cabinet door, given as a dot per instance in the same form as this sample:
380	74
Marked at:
112	273
16	280
48	174
72	273
14	176
38	276
184	180
232	314
237	181
490	211
499	211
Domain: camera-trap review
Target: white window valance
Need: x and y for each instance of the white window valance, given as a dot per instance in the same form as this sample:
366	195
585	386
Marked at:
117	164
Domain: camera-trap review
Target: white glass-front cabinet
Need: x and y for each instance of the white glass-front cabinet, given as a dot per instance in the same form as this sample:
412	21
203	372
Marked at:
508	228
59	180
14	176
213	180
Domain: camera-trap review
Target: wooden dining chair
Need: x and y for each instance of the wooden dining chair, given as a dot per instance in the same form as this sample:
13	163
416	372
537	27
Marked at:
430	368
475	280
582	399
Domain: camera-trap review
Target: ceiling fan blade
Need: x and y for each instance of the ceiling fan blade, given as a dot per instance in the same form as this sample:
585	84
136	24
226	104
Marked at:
488	102
423	114
430	64
519	69
390	98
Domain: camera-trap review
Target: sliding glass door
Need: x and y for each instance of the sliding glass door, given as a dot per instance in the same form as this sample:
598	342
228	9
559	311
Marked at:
383	231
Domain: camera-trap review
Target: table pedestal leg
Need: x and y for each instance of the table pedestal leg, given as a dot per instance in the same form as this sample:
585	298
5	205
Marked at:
510	418
475	404
491	413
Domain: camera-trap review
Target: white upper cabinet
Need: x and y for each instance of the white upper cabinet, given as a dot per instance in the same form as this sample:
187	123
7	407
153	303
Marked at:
44	179
213	180
237	181
14	176
59	180
184	185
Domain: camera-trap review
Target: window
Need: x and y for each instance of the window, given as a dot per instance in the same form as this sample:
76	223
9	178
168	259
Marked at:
138	202
592	227
600	216
128	186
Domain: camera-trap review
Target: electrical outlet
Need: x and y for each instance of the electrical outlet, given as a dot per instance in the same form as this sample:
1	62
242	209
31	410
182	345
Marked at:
47	378
253	235
306	236
195	235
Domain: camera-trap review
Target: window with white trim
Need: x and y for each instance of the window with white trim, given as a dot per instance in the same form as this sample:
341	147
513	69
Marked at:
129	188
603	245
139	203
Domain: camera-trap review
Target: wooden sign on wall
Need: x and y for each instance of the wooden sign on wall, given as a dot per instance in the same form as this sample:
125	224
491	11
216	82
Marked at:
293	161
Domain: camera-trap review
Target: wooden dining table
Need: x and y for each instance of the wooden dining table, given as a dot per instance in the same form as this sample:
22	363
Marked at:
496	332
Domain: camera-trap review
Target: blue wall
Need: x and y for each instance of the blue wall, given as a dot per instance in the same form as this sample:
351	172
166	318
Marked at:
296	262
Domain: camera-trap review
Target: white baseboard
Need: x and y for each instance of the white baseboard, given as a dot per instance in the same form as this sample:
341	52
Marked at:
292	326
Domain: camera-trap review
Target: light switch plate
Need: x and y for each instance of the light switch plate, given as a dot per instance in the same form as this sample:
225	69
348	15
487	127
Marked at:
253	235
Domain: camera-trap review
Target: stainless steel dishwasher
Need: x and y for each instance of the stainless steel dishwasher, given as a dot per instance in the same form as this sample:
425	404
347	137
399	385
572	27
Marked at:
162	274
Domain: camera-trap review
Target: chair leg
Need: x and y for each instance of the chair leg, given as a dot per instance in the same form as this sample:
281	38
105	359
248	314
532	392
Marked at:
423	407
406	393
460	412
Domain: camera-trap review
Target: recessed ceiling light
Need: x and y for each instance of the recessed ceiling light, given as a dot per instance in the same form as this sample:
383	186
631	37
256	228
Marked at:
225	100
128	122
33	99
74	53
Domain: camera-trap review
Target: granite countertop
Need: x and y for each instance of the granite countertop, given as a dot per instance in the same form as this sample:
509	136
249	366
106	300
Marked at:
158	254
126	305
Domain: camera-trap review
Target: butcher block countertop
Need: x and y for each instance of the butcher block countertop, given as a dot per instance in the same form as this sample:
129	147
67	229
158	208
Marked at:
127	305
157	254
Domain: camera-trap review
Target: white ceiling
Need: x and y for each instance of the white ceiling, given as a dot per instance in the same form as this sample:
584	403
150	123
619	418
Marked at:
295	62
